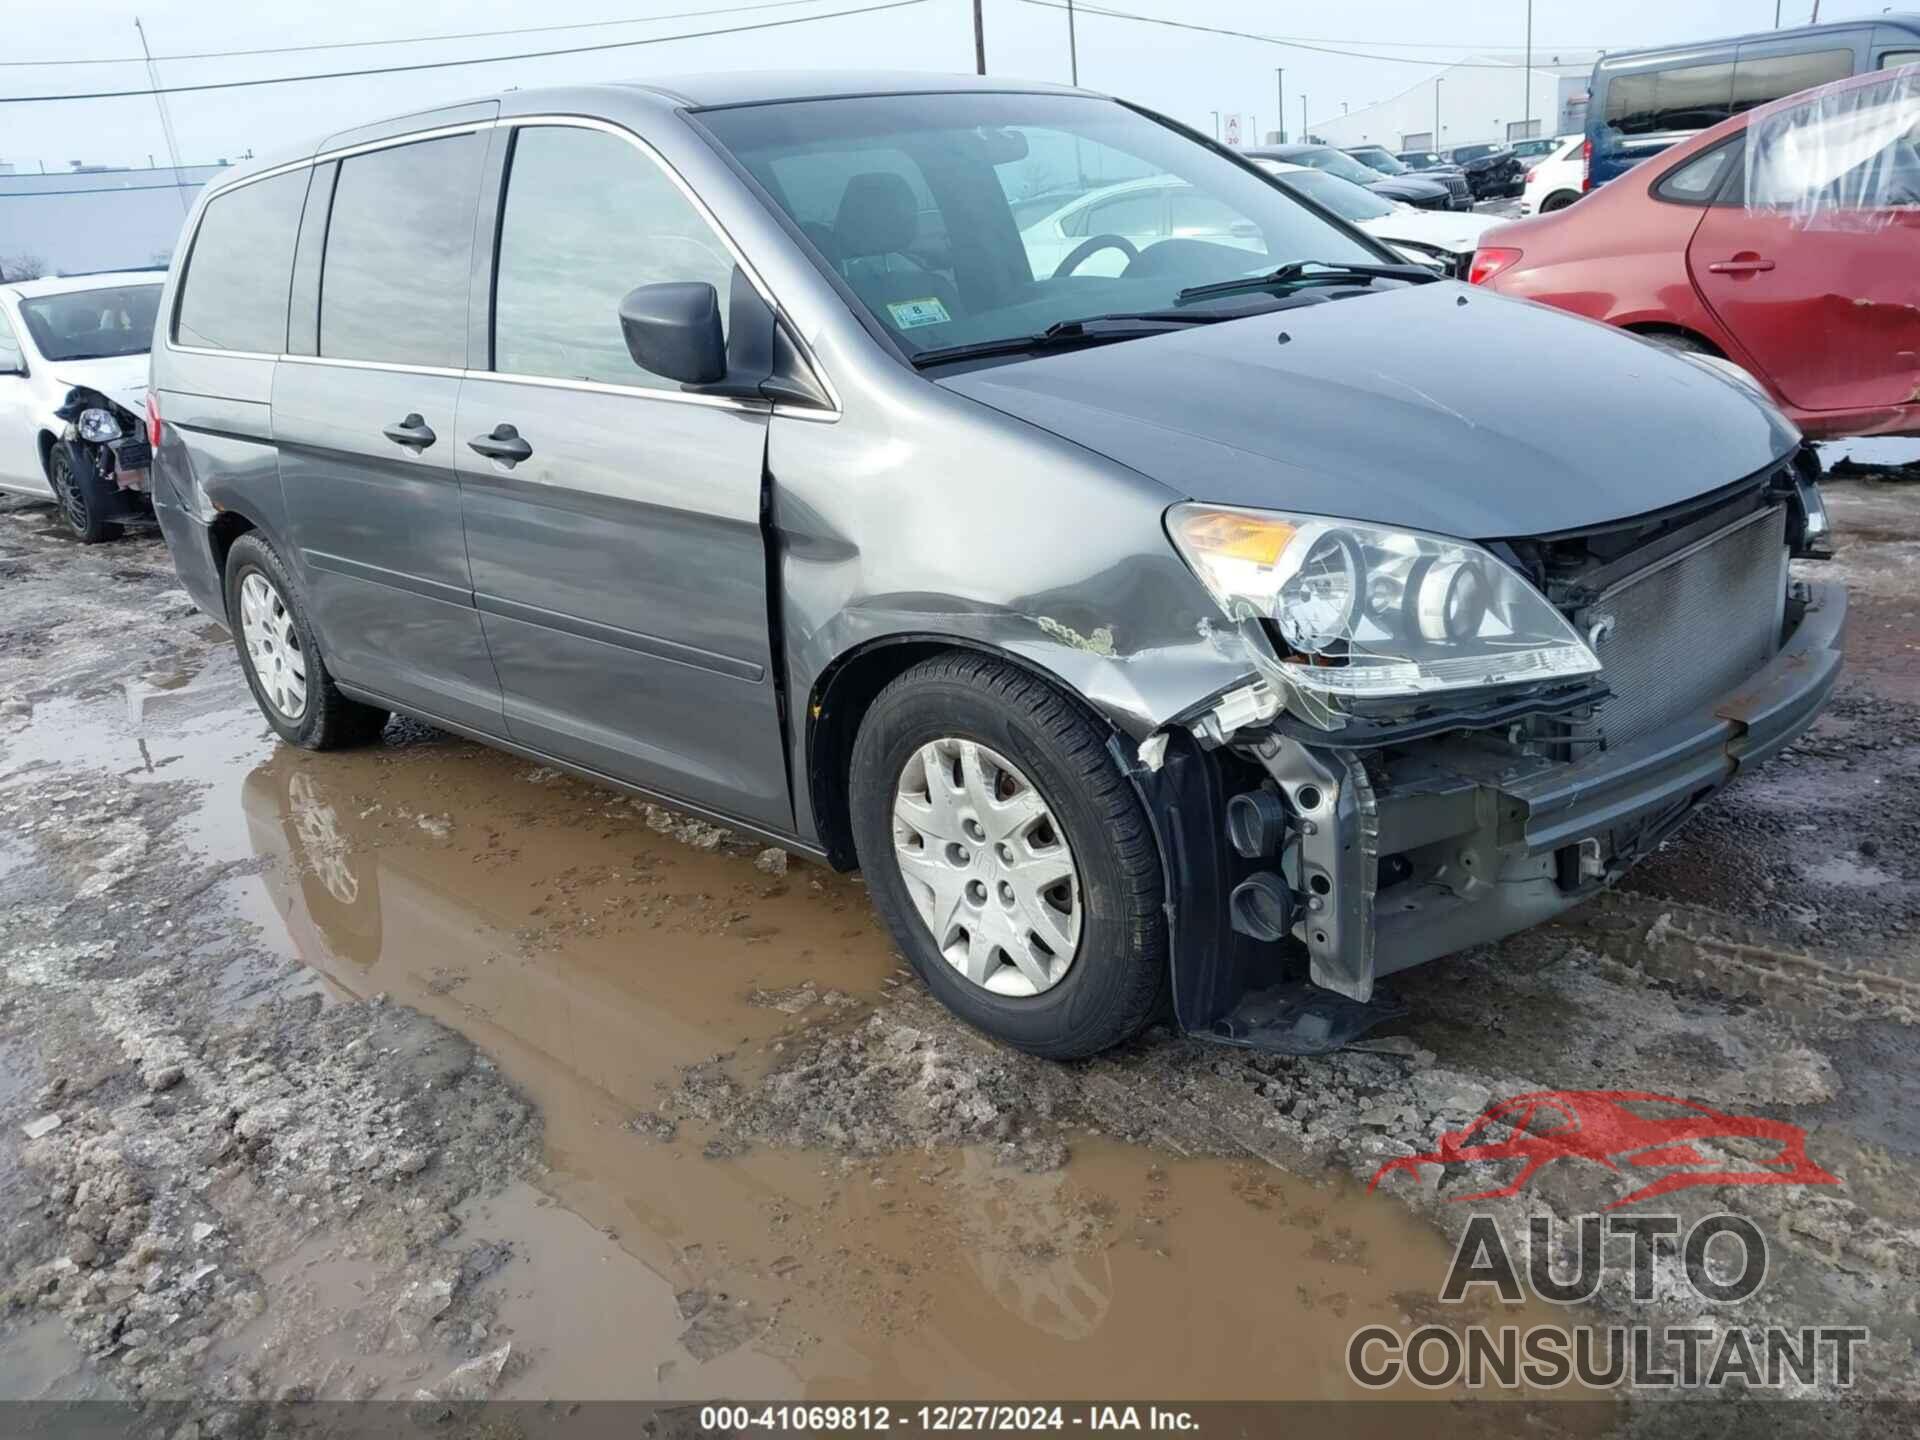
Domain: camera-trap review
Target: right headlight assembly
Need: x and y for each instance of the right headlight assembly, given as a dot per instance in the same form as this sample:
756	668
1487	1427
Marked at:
1367	612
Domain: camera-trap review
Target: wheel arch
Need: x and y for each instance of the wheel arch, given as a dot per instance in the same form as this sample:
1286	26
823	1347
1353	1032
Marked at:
46	440
1654	328
847	687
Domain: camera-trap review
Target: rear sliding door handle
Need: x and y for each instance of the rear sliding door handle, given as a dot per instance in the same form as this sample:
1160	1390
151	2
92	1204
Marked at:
1740	265
503	442
413	432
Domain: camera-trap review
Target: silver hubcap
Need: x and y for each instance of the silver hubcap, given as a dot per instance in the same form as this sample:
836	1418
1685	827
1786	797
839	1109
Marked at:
273	645
988	867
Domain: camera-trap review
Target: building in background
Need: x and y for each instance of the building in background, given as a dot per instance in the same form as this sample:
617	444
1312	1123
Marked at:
1482	99
90	218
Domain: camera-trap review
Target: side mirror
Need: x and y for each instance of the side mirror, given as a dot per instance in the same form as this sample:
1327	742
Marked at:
674	330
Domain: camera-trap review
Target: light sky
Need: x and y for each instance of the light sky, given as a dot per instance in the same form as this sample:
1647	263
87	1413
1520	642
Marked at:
1183	74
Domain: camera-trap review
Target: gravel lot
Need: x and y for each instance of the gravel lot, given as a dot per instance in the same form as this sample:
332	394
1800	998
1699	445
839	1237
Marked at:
421	1068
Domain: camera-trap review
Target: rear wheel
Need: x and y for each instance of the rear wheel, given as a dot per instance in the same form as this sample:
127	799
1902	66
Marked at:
1009	855
73	478
282	658
1559	200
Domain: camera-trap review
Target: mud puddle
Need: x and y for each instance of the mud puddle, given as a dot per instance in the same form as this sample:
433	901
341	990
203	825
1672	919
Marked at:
601	951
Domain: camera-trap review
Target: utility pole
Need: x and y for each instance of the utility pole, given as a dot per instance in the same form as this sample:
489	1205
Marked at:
1073	45
1304	137
1280	106
1216	123
1526	113
166	122
1776	14
979	40
1436	111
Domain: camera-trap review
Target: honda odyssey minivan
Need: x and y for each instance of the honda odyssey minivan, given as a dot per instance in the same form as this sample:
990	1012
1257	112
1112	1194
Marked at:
1203	634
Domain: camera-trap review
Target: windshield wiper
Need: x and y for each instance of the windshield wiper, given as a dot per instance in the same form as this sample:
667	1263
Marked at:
1066	334
1316	272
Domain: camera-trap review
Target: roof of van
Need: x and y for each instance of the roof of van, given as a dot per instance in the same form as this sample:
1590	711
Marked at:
1908	20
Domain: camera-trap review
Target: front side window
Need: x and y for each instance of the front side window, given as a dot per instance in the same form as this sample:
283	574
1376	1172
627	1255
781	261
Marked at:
920	206
393	280
233	295
93	324
588	218
1758	79
12	361
1687	97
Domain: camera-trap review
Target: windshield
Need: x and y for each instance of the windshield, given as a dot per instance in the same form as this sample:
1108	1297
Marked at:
1380	160
1425	159
1474	152
1345	199
919	203
93	324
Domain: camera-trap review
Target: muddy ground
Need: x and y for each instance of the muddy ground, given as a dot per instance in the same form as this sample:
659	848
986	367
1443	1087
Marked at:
422	1068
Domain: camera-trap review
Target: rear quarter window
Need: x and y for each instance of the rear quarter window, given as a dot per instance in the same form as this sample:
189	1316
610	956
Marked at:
233	295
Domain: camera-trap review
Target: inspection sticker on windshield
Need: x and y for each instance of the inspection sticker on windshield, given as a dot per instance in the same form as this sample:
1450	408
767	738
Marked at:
910	314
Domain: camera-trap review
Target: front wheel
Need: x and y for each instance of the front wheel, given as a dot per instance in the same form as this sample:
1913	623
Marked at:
282	657
1011	858
74	479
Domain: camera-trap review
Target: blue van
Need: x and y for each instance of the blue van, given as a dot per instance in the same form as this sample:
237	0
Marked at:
1642	101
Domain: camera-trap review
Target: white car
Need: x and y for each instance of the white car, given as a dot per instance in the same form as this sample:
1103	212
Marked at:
1557	181
1448	236
73	388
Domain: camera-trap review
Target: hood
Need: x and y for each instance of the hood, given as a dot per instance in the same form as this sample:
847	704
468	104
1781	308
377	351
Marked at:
1398	407
1407	187
121	378
1455	230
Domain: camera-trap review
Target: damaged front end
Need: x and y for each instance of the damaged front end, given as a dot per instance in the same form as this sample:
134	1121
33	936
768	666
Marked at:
1444	744
109	458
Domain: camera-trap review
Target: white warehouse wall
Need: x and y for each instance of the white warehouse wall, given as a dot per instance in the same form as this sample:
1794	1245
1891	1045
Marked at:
1476	105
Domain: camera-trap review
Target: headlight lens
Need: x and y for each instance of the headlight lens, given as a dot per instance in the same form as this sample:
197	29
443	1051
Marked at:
98	426
1369	612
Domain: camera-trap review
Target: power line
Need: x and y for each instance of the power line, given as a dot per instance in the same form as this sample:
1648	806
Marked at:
454	64
1082	8
420	39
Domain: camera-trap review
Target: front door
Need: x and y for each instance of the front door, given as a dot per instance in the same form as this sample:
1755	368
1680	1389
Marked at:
1814	274
367	430
614	521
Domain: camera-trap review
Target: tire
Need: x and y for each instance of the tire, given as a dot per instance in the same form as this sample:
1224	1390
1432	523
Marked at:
324	719
73	478
1559	200
1113	980
1685	344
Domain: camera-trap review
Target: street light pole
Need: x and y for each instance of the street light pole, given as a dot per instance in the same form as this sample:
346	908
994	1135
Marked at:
979	40
1526	114
1073	45
1216	123
1280	106
1436	111
1303	119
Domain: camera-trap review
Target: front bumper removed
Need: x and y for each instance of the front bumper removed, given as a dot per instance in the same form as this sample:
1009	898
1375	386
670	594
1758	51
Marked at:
1392	857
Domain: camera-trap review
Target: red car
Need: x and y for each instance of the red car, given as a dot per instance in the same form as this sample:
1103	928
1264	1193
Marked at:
1786	240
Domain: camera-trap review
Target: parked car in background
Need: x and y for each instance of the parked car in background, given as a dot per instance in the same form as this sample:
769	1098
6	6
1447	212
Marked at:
1558	180
1641	102
1213	638
1140	212
1446	237
73	385
1492	171
1783	240
1378	157
1413	189
1530	152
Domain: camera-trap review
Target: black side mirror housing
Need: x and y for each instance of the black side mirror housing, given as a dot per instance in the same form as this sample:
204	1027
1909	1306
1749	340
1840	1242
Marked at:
673	330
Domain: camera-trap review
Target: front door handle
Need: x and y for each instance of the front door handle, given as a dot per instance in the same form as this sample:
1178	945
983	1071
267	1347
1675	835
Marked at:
1747	264
413	432
502	443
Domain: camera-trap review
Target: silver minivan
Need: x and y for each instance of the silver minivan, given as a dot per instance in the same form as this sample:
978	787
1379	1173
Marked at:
1196	630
